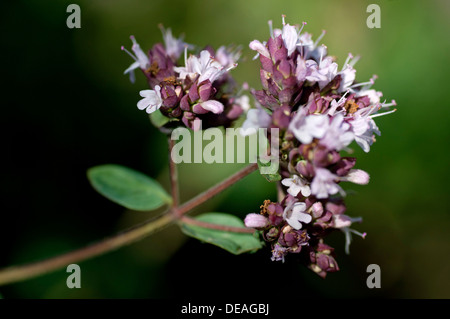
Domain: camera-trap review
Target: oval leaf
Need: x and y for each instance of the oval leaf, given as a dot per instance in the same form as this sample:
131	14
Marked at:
235	243
158	119
128	187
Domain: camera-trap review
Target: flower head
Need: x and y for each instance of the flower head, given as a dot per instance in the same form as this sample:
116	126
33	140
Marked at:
338	134
320	109
324	184
205	67
307	127
141	59
174	46
295	215
296	185
151	101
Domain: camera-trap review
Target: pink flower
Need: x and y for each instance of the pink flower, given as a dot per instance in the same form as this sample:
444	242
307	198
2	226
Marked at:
296	185
205	66
141	59
174	46
338	134
324	184
295	215
151	101
307	127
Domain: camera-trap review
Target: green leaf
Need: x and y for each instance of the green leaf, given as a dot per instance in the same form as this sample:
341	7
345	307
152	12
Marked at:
127	187
235	243
275	177
158	119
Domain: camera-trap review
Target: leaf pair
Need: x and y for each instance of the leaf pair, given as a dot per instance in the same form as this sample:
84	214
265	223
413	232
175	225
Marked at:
137	191
127	187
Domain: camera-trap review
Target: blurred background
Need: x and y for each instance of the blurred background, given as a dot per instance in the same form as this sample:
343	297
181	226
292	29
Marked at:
66	106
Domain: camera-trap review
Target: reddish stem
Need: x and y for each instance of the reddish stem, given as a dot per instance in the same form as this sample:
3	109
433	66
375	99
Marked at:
196	222
173	176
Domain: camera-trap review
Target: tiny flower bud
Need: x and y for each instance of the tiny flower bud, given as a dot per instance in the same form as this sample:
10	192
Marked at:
256	221
356	176
317	209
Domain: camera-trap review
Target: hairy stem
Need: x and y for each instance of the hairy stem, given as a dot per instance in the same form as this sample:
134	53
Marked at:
22	272
232	229
173	176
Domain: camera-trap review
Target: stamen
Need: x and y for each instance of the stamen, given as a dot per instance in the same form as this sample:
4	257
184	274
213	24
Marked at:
381	114
355	59
185	55
161	27
282	18
319	38
363	235
348	240
270	28
321	54
133	39
356	220
370	82
350	56
243	88
129	53
231	67
348	237
393	103
301	29
343	97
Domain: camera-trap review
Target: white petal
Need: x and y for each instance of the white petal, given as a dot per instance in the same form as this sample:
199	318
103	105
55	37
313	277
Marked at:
194	65
298	216
146	93
294	223
205	58
141	56
363	143
290	38
132	67
152	108
306	191
341	221
299	207
260	48
287	182
294	189
304	217
143	104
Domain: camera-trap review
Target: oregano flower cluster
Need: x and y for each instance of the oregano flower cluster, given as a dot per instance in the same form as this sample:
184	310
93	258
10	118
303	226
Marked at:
317	106
201	89
312	108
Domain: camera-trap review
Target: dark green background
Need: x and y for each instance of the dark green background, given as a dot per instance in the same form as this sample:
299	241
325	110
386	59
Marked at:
66	107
